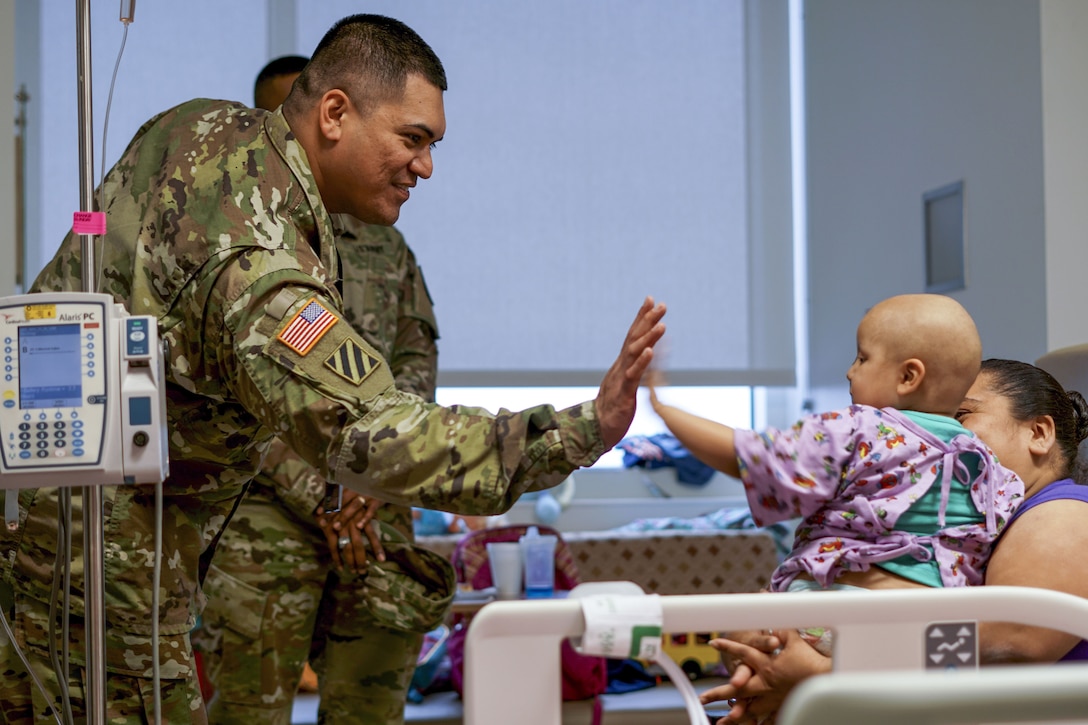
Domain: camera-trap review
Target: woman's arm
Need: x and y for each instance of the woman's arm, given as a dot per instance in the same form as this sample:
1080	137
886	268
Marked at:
1047	547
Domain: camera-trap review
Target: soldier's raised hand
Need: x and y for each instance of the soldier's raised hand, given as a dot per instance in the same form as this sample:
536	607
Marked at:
616	397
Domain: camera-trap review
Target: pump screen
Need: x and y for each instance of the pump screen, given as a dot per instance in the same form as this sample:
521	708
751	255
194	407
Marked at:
50	371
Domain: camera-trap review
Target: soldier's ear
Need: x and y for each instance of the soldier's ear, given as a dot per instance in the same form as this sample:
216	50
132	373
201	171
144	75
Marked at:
332	108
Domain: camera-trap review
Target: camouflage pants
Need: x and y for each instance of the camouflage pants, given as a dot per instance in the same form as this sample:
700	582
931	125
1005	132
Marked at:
128	698
274	602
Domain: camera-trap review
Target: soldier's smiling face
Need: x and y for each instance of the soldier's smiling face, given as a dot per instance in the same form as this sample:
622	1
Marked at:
381	155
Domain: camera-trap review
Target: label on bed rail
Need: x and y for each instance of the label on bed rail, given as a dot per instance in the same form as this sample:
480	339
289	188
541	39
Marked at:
952	646
621	626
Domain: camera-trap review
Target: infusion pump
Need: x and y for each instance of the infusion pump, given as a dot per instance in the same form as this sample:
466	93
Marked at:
82	393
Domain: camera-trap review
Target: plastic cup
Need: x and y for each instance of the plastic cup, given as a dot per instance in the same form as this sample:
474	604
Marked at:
505	560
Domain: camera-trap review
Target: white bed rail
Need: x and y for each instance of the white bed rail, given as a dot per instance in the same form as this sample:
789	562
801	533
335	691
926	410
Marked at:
1022	694
512	648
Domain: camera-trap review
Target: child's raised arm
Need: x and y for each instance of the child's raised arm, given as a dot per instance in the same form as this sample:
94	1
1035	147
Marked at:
709	441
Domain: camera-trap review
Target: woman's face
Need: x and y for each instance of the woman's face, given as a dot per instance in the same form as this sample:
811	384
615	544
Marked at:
988	416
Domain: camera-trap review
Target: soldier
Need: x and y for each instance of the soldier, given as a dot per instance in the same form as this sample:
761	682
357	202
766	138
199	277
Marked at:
274	558
219	225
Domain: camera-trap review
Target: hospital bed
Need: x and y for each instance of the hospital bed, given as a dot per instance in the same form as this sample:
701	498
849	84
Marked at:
512	650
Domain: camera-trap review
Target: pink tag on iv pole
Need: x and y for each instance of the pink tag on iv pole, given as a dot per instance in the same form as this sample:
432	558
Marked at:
89	222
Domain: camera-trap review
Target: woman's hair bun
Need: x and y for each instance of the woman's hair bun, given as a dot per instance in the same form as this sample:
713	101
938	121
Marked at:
1080	414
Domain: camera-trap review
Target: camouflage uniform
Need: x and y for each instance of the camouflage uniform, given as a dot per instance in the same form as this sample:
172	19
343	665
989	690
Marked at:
217	229
271	574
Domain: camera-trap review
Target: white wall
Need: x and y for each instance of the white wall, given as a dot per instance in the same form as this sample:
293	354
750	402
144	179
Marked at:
904	97
1065	109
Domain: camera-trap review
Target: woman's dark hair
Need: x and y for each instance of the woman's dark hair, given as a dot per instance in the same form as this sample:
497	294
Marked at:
1032	392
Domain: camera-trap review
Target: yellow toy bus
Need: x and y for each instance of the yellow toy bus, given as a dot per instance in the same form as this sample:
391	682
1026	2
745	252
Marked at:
692	651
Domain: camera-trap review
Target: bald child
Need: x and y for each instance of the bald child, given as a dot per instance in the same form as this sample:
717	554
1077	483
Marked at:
892	491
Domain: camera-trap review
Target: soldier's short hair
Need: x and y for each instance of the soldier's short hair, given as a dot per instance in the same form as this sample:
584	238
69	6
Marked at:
370	58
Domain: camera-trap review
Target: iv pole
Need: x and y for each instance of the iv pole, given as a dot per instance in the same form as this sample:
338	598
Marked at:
20	190
94	623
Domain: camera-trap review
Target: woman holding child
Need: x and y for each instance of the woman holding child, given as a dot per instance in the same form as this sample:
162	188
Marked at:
1034	426
891	491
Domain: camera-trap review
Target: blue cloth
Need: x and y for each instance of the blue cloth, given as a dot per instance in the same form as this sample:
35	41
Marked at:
628	675
662	450
724	518
431	523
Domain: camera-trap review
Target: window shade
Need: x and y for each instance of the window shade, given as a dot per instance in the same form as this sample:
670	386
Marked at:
597	151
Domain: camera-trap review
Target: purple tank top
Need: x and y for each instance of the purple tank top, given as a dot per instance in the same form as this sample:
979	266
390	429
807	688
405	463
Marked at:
1064	490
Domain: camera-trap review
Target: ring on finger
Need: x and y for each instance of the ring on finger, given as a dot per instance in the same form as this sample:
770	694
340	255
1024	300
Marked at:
343	541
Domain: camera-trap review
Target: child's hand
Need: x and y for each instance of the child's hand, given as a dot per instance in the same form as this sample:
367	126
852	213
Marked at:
652	380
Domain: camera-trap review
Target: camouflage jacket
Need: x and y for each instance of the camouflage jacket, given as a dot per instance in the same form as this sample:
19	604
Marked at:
216	228
387	302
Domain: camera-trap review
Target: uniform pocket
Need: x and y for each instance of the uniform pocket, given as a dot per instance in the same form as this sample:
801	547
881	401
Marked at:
234	604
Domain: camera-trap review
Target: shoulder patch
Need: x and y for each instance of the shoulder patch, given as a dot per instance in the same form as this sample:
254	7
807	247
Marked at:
307	327
352	362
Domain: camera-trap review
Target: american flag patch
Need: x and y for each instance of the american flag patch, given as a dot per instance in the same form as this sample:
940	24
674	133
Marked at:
307	327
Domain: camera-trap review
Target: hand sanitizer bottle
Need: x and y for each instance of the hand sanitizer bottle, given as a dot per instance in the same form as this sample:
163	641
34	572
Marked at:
538	557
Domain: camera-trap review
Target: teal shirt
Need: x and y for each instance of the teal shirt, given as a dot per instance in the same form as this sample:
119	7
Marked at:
922	517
